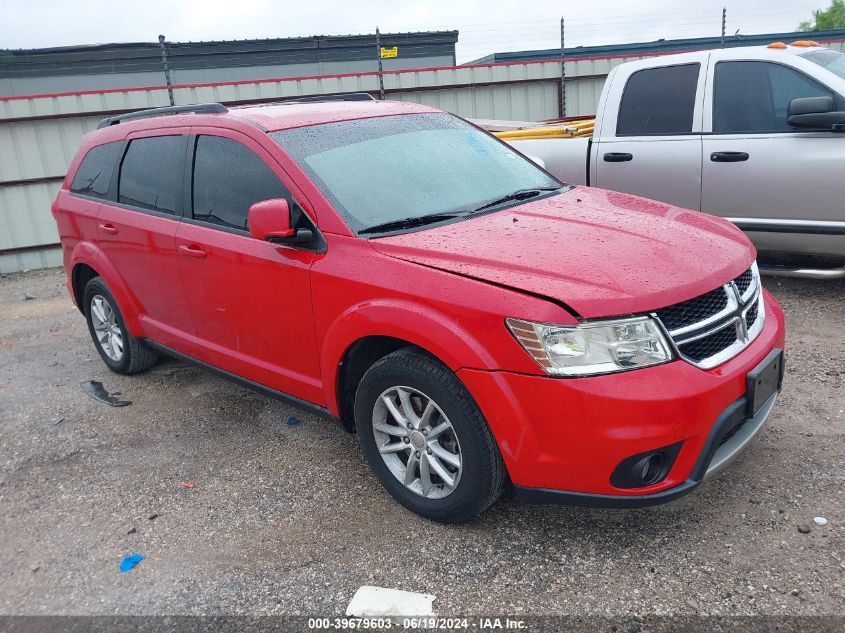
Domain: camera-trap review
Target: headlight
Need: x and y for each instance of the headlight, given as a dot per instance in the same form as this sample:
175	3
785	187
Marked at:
593	347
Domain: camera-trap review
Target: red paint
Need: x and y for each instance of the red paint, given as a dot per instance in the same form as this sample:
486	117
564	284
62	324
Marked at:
601	252
270	219
285	317
571	434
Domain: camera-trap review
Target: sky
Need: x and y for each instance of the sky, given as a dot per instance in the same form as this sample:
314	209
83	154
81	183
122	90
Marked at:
485	27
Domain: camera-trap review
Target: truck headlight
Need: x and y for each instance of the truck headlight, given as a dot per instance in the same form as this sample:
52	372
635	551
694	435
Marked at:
593	347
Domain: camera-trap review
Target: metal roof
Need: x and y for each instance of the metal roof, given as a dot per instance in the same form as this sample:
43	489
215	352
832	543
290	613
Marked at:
146	56
661	46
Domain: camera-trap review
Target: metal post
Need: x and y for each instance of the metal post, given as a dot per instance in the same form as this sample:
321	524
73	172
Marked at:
724	24
562	74
380	71
166	69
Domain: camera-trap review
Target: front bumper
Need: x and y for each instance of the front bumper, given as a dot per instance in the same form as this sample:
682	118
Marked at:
561	439
714	457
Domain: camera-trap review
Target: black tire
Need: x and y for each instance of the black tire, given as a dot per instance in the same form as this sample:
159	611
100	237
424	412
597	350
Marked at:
136	358
483	472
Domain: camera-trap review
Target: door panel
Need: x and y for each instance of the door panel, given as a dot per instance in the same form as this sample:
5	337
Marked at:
141	242
251	303
250	299
666	169
759	187
651	145
787	175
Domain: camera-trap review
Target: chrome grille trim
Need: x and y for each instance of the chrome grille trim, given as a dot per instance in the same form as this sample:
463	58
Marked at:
733	316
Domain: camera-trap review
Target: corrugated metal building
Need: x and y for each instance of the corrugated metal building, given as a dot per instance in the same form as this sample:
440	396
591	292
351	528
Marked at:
664	47
109	66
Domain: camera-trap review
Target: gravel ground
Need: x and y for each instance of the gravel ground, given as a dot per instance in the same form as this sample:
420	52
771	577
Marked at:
287	519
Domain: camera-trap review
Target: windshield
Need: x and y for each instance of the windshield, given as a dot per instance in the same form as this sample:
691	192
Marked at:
387	169
834	61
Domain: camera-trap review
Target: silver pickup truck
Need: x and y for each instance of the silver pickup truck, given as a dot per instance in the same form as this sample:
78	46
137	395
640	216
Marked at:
753	134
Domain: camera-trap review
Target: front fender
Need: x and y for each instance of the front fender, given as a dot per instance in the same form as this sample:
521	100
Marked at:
440	335
89	254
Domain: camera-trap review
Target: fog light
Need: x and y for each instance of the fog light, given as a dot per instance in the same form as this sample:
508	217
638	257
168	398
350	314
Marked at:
651	467
645	469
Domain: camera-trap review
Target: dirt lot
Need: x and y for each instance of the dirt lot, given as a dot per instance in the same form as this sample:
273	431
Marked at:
287	518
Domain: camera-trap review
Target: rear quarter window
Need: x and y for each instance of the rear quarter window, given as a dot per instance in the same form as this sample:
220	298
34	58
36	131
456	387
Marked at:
659	101
93	177
151	173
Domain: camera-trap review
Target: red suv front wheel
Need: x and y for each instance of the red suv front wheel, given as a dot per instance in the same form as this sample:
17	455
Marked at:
425	438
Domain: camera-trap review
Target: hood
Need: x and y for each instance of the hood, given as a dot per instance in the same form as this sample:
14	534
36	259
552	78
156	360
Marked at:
602	253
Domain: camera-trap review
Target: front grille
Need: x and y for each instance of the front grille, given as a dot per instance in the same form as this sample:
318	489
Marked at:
743	282
695	310
751	315
712	328
710	345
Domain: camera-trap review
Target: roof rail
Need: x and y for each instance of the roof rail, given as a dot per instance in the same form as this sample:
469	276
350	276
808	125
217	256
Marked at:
198	108
346	96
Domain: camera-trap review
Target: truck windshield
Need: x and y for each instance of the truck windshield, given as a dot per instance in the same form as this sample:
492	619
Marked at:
402	169
834	61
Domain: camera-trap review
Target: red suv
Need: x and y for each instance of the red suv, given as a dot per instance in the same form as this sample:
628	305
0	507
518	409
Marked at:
394	267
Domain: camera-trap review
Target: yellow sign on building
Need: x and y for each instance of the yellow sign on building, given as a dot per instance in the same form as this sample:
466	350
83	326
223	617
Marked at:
389	52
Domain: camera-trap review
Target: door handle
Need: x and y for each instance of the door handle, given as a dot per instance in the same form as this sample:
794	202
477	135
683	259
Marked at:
193	251
618	157
728	157
109	228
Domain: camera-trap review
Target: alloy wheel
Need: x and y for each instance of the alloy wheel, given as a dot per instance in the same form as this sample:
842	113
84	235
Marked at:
104	321
417	442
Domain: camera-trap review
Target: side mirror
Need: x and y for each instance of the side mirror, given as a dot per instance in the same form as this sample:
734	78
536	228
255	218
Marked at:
816	113
270	220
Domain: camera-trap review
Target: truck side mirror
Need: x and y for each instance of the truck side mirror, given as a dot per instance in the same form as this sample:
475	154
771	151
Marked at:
815	113
270	220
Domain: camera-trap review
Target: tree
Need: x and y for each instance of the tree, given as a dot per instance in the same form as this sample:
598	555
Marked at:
831	18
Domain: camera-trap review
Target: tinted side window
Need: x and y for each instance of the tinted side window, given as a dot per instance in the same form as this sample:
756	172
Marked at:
659	101
151	173
94	174
228	179
755	96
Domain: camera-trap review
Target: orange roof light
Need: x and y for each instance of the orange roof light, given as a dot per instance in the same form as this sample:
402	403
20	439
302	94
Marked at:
805	43
776	45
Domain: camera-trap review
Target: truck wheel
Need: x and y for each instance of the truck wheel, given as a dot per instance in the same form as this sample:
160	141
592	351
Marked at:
425	438
120	351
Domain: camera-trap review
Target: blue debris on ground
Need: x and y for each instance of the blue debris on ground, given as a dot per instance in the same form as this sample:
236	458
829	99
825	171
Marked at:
294	421
130	562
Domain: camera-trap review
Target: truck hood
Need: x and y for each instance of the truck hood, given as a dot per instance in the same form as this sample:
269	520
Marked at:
601	253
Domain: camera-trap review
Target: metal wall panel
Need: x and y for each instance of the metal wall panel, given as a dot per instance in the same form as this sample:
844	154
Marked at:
64	105
33	260
582	95
514	102
41	148
25	218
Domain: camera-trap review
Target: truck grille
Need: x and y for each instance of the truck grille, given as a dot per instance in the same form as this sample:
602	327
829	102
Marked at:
716	326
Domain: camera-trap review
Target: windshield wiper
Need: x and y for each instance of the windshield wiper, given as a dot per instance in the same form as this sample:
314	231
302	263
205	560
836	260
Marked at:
521	194
407	223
